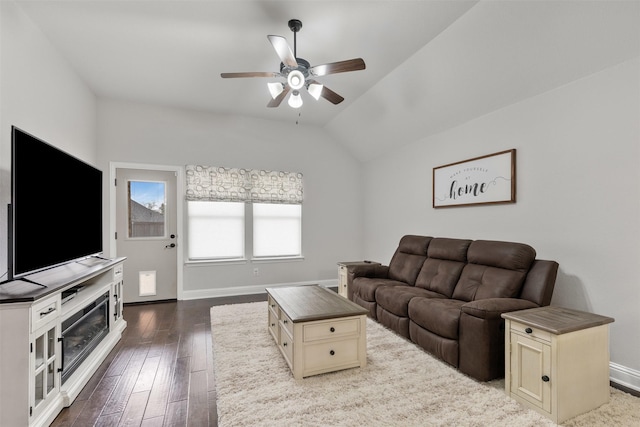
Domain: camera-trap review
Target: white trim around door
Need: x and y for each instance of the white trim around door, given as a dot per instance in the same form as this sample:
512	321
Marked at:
179	210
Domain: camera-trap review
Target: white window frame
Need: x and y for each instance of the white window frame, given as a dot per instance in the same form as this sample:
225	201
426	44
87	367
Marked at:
248	243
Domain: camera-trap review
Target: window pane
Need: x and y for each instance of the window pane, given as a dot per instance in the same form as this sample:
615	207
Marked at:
216	230
277	230
146	209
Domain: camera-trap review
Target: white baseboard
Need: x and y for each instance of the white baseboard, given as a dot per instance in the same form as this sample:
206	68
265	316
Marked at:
624	376
249	290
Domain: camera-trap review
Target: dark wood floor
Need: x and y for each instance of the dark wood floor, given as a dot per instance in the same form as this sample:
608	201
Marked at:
159	374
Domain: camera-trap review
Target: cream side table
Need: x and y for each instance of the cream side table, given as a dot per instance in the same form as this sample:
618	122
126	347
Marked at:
343	267
557	360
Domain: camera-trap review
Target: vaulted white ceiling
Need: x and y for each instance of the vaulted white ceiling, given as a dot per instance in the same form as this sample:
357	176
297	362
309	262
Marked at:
430	64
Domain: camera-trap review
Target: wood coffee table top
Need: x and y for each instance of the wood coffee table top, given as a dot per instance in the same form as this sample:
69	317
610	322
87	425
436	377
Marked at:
313	302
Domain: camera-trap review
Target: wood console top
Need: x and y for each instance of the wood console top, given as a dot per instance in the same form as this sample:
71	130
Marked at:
306	303
39	285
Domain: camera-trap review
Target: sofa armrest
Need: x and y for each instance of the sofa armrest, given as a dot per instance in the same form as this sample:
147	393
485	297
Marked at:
492	308
368	270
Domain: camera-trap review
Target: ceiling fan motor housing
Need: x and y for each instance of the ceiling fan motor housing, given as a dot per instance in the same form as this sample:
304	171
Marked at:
303	67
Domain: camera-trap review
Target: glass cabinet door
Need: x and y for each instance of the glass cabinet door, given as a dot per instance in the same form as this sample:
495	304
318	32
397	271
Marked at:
45	362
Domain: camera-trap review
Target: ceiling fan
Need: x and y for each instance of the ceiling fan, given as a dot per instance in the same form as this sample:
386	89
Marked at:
299	73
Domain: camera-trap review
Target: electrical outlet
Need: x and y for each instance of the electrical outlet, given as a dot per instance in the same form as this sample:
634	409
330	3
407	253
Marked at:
255	271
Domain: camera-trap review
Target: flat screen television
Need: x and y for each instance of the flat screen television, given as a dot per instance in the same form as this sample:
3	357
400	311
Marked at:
55	215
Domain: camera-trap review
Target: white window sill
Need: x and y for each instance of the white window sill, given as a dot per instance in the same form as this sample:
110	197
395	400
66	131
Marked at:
265	260
208	262
276	259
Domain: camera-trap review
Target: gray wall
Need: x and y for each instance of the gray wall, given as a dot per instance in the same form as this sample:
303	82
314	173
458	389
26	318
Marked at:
332	206
42	95
578	193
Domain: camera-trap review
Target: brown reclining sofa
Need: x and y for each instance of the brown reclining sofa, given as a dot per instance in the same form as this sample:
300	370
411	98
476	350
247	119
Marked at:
447	295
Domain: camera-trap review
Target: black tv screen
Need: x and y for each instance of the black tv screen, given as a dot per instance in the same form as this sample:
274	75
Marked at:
55	214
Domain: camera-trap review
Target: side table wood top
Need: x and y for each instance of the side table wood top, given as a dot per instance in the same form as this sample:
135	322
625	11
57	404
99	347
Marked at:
558	320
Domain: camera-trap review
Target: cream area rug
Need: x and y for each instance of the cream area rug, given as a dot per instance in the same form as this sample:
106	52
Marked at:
401	385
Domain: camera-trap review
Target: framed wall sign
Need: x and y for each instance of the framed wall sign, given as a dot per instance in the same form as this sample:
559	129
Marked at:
481	180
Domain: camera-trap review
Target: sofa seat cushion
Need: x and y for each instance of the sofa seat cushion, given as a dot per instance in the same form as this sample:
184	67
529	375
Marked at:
437	315
395	299
365	287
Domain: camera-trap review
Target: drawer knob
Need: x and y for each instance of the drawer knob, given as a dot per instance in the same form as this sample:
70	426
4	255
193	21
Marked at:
332	352
332	329
528	330
285	321
273	324
273	305
284	344
545	378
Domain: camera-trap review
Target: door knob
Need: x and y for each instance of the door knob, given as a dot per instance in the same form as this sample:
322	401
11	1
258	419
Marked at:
172	245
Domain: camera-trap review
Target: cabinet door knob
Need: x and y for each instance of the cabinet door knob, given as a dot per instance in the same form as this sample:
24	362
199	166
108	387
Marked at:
545	378
332	352
284	344
332	329
528	330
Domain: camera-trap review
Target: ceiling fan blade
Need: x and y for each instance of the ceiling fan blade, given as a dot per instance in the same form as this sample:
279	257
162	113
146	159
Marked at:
278	99
283	50
249	74
331	96
337	67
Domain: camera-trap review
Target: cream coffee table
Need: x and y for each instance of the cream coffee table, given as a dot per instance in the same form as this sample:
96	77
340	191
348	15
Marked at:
316	330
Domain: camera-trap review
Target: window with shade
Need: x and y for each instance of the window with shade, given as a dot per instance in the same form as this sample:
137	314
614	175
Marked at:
238	214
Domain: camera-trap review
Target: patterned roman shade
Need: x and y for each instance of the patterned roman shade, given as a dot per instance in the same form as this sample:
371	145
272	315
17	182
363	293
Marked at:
215	183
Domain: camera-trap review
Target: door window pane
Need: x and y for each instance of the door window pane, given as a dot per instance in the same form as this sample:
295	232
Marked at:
216	230
277	230
147	201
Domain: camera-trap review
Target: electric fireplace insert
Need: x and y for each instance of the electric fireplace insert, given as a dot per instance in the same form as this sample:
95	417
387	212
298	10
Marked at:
82	332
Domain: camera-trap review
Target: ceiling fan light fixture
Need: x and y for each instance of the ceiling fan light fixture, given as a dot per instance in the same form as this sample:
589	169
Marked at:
315	90
295	100
275	89
295	79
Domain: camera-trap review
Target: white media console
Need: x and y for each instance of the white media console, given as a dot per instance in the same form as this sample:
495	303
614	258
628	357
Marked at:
56	328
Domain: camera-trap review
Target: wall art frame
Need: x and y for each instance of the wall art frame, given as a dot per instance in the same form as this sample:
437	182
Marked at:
489	179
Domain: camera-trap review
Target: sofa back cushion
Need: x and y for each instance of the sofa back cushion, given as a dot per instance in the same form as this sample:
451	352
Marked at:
408	258
494	270
441	270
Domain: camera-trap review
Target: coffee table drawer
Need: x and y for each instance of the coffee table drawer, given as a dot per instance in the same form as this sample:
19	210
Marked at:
273	325
331	329
286	346
286	322
331	355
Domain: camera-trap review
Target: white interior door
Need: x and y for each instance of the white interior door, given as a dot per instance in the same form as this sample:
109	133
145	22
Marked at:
146	225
